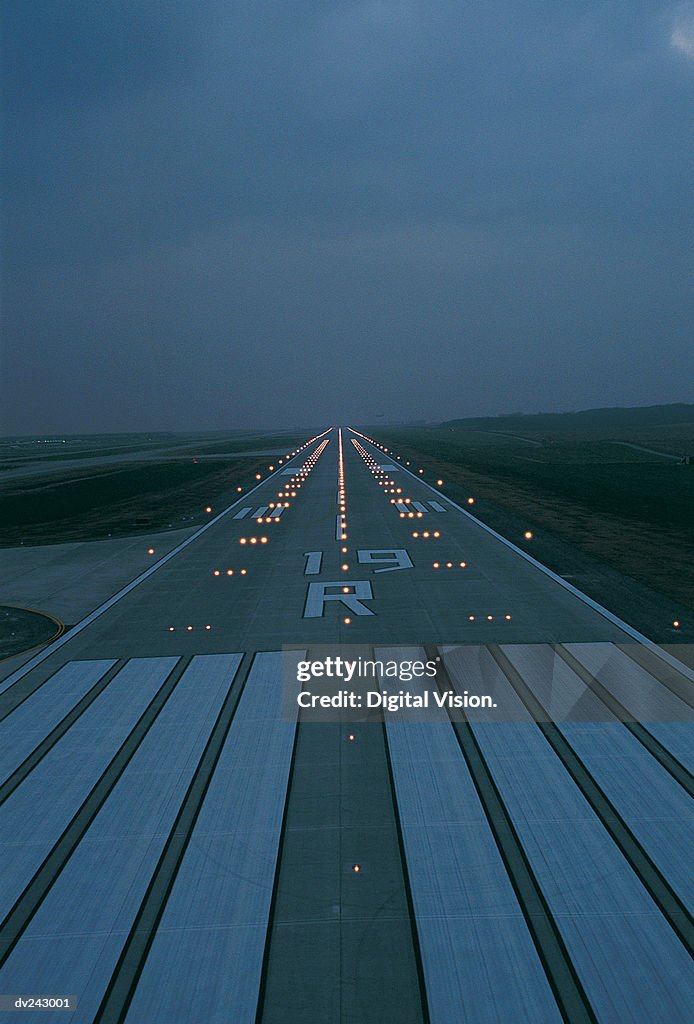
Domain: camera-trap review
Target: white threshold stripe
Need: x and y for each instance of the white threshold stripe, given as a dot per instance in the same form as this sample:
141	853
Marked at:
93	616
31	721
36	814
610	616
477	951
243	513
212	934
101	887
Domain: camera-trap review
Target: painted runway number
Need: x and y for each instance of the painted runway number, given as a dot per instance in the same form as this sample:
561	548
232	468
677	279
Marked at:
317	596
396	558
350	593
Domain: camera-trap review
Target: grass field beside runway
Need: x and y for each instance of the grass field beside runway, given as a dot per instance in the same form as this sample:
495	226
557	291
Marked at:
627	507
115	499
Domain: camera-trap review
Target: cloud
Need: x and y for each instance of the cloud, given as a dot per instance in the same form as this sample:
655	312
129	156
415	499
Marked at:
682	37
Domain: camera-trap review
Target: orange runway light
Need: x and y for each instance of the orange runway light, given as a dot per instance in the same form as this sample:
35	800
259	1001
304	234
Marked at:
347	621
528	535
216	572
242	540
208	508
471	501
356	868
676	623
439	483
150	551
230	572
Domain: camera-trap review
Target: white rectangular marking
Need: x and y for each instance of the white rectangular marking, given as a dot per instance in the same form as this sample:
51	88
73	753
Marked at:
277	512
465	906
35	815
26	727
437	507
419	506
608	921
401	506
212	934
242	513
102	886
260	511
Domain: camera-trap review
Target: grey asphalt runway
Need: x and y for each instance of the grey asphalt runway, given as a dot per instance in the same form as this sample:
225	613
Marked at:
175	847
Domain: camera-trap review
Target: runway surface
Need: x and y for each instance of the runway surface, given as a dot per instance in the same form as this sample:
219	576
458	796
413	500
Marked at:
179	845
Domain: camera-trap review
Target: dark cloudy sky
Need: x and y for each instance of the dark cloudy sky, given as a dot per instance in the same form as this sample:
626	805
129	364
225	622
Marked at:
245	213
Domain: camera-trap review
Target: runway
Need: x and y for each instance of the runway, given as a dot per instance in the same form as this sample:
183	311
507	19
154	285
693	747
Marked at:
178	847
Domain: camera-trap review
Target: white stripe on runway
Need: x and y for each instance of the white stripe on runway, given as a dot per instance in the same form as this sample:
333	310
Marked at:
401	506
33	818
419	506
277	512
437	506
211	937
476	949
661	712
242	513
654	806
608	921
259	512
101	887
29	724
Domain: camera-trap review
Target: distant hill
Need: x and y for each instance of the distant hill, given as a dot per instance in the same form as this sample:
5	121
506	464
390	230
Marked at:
637	417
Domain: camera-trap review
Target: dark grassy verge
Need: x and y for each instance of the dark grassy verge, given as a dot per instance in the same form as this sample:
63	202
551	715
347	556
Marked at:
120	501
617	524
